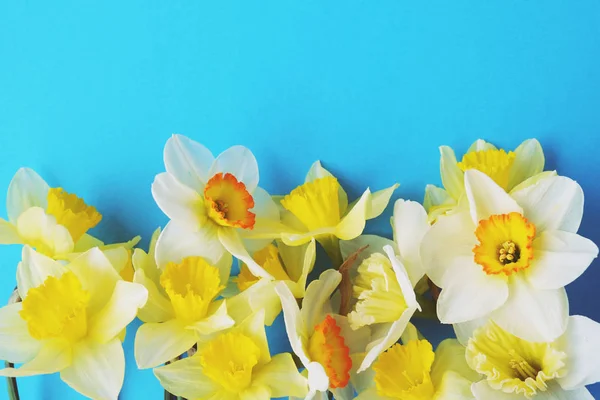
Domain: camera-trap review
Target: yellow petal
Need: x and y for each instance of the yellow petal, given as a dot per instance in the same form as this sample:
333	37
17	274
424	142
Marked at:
42	232
282	377
186	378
158	308
216	320
379	201
54	356
157	343
27	189
353	223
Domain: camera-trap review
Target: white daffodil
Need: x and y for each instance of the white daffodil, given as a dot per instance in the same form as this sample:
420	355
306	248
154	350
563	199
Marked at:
71	320
234	365
321	339
182	304
319	209
50	220
515	369
412	371
213	203
509	170
384	298
288	264
509	256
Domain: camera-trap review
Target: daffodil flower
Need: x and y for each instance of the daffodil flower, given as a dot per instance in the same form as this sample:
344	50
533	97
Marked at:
516	369
322	340
509	256
509	170
234	365
50	220
288	264
412	371
319	209
71	320
213	203
183	304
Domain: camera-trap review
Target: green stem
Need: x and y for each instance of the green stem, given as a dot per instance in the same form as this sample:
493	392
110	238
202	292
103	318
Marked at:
11	383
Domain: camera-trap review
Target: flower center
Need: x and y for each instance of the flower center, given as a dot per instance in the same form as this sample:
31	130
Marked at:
403	371
315	203
228	202
228	360
327	347
379	296
494	163
513	365
57	309
71	212
505	244
269	259
192	285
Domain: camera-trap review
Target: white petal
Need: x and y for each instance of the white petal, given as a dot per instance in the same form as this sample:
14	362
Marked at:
179	202
176	243
486	198
483	391
554	203
294	325
481	145
452	175
410	226
157	343
35	227
53	356
16	345
260	296
230	239
158	308
317	295
402	277
447	248
529	161
185	378
97	370
188	161
559	258
317	377
35	269
218	320
264	206
581	343
241	163
27	189
9	233
464	330
532	314
120	310
282	377
437	201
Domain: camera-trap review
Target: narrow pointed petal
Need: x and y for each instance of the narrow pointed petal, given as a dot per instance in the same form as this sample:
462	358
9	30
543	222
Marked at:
486	198
353	224
230	239
379	201
294	325
452	175
317	295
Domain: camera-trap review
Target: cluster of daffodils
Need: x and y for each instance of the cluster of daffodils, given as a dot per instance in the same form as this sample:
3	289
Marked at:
490	252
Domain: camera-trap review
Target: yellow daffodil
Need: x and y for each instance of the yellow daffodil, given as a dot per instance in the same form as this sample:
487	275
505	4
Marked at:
213	203
71	321
319	209
183	304
508	169
288	264
412	371
322	340
515	369
49	220
509	256
234	365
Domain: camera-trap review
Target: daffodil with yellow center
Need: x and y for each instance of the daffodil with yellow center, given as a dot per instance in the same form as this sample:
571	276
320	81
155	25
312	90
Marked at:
319	209
322	340
288	264
71	320
182	307
516	369
234	365
412	371
510	170
508	256
50	220
213	203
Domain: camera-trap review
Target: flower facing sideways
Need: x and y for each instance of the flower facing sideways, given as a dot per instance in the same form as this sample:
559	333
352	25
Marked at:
509	170
235	364
509	256
515	369
319	209
213	203
72	320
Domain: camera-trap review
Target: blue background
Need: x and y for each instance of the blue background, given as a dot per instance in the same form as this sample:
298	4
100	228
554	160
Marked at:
90	91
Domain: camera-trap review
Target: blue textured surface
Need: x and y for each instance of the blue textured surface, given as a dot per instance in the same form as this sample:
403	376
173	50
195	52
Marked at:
90	91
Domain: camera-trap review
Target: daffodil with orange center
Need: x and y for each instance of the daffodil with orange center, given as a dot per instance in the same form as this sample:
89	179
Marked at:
213	204
507	257
322	340
511	170
50	220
